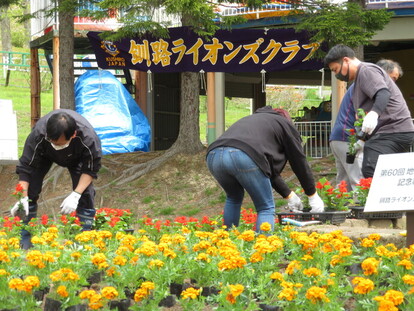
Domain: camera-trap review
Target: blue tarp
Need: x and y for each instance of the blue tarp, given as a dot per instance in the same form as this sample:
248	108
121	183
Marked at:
114	114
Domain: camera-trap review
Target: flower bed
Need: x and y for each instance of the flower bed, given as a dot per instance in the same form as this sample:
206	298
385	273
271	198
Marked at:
228	270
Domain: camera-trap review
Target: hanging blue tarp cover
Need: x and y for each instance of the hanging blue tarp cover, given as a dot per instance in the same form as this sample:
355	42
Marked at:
114	114
238	50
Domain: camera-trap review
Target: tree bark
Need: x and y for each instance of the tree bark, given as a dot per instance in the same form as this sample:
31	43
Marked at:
66	50
188	141
6	44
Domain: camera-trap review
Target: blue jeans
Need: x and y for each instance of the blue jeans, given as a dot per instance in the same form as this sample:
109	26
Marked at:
235	171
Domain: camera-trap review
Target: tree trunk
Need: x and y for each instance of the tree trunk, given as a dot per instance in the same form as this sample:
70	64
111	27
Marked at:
188	141
26	25
6	44
66	50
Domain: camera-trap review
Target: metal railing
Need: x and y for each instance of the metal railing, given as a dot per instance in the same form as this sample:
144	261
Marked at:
315	135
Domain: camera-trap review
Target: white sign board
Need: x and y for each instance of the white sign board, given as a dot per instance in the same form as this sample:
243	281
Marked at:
392	187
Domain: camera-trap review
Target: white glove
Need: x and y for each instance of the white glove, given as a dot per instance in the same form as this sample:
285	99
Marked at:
370	122
294	202
23	202
359	147
70	204
316	203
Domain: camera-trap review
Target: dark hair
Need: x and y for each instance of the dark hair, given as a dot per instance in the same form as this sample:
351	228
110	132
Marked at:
336	54
388	65
58	124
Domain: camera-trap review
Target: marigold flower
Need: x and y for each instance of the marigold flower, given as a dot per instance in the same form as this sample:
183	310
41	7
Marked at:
120	261
395	296
256	257
248	235
407	264
363	285
292	266
87	294
190	293
276	276
156	263
203	257
408	279
109	292
265	227
367	242
370	266
288	294
235	291
315	294
312	271
61	291
17	284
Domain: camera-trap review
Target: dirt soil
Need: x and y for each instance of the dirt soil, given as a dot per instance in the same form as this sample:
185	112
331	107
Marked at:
182	186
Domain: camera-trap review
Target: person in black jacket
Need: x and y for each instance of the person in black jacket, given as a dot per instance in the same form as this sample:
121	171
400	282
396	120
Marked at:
251	155
66	138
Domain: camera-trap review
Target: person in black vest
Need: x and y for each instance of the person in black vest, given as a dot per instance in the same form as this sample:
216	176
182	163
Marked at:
66	138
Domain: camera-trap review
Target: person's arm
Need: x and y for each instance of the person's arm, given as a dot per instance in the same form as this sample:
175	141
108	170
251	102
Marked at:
280	186
84	181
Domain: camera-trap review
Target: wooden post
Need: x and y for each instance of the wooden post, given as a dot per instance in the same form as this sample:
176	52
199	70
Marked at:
34	86
410	228
141	90
56	88
211	108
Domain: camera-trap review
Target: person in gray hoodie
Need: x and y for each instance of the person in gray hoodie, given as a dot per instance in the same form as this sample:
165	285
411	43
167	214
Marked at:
251	155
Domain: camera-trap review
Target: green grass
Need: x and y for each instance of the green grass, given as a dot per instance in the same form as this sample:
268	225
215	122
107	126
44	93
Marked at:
20	97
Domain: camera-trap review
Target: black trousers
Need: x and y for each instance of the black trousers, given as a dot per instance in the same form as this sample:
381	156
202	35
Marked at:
85	211
386	143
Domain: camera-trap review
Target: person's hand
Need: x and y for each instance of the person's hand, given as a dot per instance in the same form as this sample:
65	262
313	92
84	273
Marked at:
70	204
294	203
23	202
359	147
316	203
370	122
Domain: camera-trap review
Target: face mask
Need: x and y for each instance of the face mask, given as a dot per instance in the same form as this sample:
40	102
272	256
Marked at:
340	76
56	147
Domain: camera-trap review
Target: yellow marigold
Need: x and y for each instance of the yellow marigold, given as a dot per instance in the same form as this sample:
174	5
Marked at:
345	251
236	289
395	296
307	257
15	255
312	271
185	230
203	257
336	259
169	253
87	294
31	282
62	291
370	266
408	279
385	305
148	248
111	271
288	294
99	260
407	264
233	263
3	272
248	235
315	294
109	292
4	257
265	227
374	237
76	255
363	285
155	263
120	261
367	242
148	285
190	293
140	294
17	284
276	276
292	266
256	257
